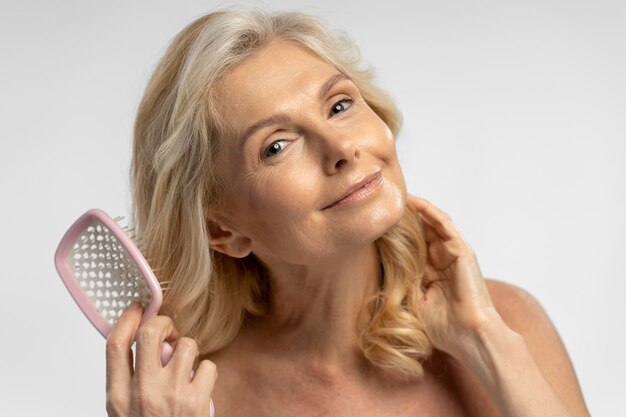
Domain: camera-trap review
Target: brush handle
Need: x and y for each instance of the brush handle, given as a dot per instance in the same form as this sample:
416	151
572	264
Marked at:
166	354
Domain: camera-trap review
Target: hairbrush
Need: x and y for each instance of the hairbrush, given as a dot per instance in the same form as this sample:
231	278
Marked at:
105	272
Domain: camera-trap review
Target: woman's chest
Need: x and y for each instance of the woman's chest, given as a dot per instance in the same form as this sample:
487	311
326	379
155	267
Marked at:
272	393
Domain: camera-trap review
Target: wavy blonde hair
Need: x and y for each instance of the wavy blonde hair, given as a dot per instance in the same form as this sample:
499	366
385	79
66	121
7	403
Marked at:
176	139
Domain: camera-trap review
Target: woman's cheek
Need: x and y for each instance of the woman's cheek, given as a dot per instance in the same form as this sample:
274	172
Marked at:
288	189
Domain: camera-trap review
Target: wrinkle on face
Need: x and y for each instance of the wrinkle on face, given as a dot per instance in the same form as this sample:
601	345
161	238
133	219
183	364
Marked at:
277	204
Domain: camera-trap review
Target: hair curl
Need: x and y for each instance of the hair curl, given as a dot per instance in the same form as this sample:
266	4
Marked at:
176	138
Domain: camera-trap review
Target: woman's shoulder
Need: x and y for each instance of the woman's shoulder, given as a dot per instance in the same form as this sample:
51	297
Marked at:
525	315
517	306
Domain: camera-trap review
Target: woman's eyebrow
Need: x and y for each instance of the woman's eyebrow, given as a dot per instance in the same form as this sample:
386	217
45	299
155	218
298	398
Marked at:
282	117
325	88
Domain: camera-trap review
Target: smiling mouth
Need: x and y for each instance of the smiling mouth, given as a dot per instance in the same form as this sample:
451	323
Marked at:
361	190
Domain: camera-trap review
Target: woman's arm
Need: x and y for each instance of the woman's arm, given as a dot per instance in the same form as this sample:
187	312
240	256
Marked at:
521	361
525	316
461	319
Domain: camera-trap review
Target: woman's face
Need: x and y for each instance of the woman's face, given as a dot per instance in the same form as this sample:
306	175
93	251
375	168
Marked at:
300	135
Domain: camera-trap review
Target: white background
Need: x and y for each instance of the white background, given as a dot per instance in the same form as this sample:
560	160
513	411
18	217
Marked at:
515	124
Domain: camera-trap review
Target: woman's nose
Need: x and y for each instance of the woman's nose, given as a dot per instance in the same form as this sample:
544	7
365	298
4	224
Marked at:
338	150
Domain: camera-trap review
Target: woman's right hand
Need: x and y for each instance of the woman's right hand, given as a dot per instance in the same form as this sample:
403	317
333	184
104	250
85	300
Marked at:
151	389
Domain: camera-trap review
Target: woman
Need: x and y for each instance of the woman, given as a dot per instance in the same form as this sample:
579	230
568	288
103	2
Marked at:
273	209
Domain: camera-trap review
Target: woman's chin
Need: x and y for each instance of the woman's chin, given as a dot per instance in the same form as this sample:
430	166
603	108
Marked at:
388	216
365	224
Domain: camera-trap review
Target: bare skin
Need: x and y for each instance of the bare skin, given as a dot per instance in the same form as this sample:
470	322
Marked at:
302	358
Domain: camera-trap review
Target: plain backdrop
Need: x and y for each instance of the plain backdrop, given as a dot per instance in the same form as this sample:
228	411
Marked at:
514	124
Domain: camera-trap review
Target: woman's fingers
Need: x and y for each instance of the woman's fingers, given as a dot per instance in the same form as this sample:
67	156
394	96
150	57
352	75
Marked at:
119	358
185	353
153	388
445	243
430	275
429	229
150	337
202	387
430	234
437	218
205	376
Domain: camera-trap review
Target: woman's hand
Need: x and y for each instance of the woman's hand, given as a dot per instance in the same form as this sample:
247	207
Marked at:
455	307
455	302
151	389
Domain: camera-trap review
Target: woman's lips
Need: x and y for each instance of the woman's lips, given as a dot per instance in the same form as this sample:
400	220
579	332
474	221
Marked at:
360	190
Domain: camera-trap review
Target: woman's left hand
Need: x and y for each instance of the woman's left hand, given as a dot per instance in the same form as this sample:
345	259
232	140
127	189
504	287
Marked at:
456	310
455	302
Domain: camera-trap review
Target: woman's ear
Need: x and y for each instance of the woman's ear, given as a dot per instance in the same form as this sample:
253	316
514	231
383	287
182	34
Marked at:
228	241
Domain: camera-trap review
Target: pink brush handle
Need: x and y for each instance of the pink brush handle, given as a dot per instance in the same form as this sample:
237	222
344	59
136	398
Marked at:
166	354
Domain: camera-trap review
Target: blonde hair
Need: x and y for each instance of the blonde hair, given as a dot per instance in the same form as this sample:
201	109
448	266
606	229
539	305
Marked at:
176	138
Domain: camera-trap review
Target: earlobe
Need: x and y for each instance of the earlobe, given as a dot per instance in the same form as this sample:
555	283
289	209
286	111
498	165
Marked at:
226	241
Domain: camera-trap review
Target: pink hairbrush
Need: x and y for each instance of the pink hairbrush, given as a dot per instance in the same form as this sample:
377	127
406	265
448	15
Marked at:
105	272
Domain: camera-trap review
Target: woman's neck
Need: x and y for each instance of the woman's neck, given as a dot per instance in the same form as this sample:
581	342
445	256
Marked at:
314	310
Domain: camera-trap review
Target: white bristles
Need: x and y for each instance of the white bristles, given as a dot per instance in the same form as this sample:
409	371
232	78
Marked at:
107	272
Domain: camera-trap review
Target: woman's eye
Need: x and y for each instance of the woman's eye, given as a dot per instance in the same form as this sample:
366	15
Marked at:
274	148
341	105
277	146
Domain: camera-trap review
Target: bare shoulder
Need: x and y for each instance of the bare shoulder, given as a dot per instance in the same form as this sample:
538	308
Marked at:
523	313
520	310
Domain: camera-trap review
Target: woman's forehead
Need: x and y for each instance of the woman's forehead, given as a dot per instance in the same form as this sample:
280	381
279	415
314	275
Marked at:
271	80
